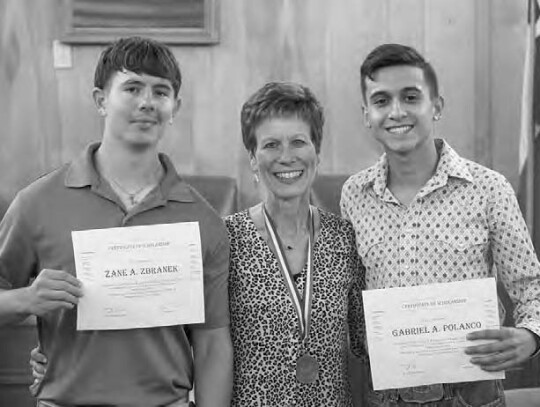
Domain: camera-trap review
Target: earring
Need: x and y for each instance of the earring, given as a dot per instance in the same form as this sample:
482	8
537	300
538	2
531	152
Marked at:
171	121
437	117
102	111
368	125
256	177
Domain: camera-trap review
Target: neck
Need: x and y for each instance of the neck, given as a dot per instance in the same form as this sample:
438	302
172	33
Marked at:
413	169
131	168
289	216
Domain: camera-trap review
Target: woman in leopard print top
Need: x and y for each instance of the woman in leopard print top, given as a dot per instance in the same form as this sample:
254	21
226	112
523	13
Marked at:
282	131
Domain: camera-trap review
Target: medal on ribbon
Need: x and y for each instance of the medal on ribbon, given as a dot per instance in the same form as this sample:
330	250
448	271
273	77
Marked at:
307	367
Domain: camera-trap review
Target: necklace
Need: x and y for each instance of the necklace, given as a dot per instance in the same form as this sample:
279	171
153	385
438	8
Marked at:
132	196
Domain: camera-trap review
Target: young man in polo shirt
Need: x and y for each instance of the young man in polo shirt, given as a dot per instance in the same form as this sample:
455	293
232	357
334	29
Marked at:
423	214
122	181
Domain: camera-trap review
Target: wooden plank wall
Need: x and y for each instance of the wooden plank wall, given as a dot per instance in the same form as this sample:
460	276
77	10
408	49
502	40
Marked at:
477	47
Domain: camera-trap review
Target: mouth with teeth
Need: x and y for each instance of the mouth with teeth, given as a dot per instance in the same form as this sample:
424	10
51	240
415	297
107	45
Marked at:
399	129
288	176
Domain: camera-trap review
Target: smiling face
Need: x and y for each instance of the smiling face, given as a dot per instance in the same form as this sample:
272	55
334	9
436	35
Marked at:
285	157
136	107
400	109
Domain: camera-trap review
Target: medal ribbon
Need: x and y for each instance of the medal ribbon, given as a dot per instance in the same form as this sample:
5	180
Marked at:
303	307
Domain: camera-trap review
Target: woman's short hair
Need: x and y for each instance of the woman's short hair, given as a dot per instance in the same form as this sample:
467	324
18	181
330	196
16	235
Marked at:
281	99
139	55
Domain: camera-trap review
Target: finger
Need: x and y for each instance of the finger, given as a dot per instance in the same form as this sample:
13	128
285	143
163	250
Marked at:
487	348
487	334
37	356
57	295
493	359
60	275
43	310
38	370
506	365
65	286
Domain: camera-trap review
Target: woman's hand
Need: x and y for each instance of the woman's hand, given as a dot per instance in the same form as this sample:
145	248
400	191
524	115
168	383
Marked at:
38	362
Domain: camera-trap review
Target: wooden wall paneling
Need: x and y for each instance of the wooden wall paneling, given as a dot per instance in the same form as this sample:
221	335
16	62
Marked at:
31	114
483	80
405	22
508	30
80	121
353	30
450	46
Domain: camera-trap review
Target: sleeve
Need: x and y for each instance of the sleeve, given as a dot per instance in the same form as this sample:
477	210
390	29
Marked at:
514	257
216	276
18	259
356	309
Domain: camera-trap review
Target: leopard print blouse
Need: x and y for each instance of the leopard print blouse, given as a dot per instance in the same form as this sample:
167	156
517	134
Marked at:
264	324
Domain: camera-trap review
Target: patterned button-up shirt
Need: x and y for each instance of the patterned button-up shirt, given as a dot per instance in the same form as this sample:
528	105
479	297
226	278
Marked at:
464	221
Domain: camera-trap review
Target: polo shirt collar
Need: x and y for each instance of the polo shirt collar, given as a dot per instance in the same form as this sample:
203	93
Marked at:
82	173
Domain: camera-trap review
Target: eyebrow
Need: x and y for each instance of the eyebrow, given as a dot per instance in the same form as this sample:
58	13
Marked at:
383	92
139	82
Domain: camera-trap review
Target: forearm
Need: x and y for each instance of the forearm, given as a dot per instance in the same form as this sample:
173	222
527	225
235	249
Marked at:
213	361
14	305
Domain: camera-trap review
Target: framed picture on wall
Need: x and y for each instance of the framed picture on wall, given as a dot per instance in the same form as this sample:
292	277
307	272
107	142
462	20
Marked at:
170	21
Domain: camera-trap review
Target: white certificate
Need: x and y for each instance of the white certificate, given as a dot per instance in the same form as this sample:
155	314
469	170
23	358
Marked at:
140	276
416	335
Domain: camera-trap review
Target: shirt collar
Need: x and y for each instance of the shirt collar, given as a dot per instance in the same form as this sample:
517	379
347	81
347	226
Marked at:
82	173
450	165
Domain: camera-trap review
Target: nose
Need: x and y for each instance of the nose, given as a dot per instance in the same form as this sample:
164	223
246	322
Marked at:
287	154
396	110
146	100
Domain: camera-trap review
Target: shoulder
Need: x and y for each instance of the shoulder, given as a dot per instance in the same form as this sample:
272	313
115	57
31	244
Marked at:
489	181
335	227
237	221
359	180
46	190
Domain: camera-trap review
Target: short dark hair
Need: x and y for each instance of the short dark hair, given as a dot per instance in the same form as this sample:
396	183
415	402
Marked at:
139	55
397	54
281	99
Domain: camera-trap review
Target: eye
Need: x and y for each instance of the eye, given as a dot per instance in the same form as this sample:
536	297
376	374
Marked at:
270	144
132	89
163	93
380	101
299	142
412	97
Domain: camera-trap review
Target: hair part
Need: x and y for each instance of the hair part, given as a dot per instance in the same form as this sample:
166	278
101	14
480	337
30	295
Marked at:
281	99
397	54
139	55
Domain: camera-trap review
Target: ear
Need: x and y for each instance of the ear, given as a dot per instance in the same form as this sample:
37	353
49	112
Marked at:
100	99
438	106
253	162
365	113
177	105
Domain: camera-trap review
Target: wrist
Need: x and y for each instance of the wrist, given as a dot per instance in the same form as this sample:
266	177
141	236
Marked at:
23	302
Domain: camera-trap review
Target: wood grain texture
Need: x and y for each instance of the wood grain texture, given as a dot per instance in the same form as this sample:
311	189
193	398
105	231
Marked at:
477	48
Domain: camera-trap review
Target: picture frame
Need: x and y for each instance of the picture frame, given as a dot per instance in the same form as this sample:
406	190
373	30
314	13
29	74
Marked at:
187	22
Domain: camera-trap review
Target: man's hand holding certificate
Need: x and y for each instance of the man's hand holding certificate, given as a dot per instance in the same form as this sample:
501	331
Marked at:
139	277
417	335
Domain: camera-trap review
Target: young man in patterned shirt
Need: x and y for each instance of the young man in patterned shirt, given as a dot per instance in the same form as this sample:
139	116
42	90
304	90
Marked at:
423	214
